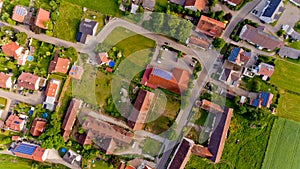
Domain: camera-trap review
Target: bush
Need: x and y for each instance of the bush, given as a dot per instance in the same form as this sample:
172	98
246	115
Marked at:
218	43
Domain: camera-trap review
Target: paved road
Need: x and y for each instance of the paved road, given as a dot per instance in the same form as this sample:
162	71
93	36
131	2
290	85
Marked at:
32	99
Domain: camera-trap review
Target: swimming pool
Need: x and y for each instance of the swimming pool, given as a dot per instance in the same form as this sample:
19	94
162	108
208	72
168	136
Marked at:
30	58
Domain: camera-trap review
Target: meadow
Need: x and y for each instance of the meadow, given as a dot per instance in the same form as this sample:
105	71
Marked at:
283	149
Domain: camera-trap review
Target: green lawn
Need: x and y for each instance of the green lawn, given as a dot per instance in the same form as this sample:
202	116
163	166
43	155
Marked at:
284	147
2	102
297	26
151	147
160	5
101	165
103	87
107	7
117	35
288	106
248	153
68	22
100	18
295	45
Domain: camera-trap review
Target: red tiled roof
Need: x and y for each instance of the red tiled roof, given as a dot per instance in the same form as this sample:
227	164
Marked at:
41	17
14	123
102	58
266	69
201	151
140	110
10	49
51	89
193	40
38	154
235	1
86	138
19	13
62	65
199	4
210	26
15	138
210	106
3	79
70	117
37	127
28	80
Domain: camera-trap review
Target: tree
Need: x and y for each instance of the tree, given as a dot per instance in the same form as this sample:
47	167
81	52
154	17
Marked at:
54	15
280	32
218	43
21	38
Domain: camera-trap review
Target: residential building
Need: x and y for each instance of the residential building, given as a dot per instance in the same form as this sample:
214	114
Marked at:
289	52
15	123
5	81
102	58
291	32
233	2
134	8
182	154
198	43
86	138
76	72
264	69
272	11
264	99
149	5
259	38
19	13
60	65
178	2
175	81
70	118
30	151
12	49
210	26
73	158
195	5
231	73
87	29
296	2
140	110
38	127
209	106
51	94
239	56
42	16
28	81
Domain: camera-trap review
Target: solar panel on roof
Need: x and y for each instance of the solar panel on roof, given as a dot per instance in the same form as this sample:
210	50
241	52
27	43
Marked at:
25	149
265	97
20	11
162	73
233	54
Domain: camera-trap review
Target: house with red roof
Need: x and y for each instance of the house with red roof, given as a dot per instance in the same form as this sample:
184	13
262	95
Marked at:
12	49
19	13
30	151
233	2
239	56
60	65
195	5
15	123
76	72
210	26
42	16
28	81
5	81
175	81
51	94
264	69
102	58
38	127
264	99
140	110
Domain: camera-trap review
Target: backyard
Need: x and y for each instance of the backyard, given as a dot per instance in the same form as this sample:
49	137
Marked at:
96	16
283	149
287	80
2	102
68	22
107	7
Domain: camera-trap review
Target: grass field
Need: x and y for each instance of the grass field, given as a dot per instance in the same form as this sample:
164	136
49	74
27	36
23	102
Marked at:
101	165
151	147
295	45
117	35
248	153
286	78
68	22
160	5
2	102
284	147
107	7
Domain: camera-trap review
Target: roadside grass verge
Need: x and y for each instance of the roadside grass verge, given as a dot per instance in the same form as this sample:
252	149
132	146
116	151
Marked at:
151	147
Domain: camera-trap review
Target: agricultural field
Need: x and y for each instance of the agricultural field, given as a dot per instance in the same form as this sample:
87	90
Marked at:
106	7
287	80
283	149
68	22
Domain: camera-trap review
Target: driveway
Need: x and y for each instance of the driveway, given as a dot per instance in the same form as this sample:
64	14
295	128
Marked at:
31	99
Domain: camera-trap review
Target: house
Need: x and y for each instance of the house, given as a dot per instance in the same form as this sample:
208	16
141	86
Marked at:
5	81
182	154
51	94
264	99
291	32
209	106
30	151
195	5
12	49
86	138
272	11
264	69
210	26
149	5
289	52
140	110
87	29
38	126
42	16
19	13
28	81
102	58
296	2
259	38
15	123
239	56
70	118
178	2
233	2
15	138
73	158
231	73
198	43
76	72
175	81
60	65
137	163
134	8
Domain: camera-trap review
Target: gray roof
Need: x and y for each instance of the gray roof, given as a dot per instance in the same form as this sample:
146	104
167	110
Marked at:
289	52
87	26
178	2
